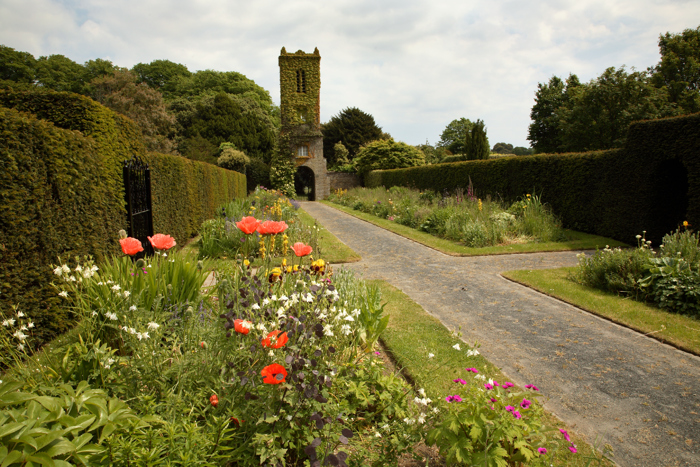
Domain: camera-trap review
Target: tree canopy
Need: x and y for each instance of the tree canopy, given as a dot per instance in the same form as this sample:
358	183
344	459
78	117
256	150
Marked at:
476	144
679	68
160	74
454	136
353	128
387	154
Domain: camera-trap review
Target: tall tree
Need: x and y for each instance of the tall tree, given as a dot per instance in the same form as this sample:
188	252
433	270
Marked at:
544	131
120	92
598	114
454	135
160	74
353	128
476	144
679	68
60	73
16	66
502	148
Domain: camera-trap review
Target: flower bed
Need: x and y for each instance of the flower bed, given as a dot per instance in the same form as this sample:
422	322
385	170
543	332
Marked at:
459	216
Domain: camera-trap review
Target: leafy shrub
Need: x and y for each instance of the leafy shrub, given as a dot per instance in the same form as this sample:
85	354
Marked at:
387	154
233	159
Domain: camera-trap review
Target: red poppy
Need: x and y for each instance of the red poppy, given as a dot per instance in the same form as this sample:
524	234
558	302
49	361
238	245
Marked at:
130	246
242	326
248	225
275	340
214	400
302	250
162	242
272	374
236	421
272	227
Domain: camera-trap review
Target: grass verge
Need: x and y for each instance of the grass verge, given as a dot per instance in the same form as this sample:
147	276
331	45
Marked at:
677	330
412	334
579	240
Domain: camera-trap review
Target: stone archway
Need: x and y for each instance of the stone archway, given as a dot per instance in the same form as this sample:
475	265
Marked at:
305	183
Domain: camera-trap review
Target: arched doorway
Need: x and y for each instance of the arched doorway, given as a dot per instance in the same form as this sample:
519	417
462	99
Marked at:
305	183
671	196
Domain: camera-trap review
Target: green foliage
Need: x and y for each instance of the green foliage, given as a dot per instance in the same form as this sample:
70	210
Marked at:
233	159
454	136
544	131
64	195
387	154
16	66
60	73
679	68
521	151
282	166
161	74
207	122
476	144
257	174
503	148
352	127
433	155
119	92
341	154
585	190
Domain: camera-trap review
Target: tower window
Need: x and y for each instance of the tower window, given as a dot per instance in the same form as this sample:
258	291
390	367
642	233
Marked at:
301	81
303	151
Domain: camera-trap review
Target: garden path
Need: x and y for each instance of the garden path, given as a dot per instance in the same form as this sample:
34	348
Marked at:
603	380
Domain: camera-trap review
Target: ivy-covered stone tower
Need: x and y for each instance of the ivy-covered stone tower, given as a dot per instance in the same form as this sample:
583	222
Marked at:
300	103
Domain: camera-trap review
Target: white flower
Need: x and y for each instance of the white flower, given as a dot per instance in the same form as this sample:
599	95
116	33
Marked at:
308	298
436	410
349	318
132	308
281	312
109	362
116	287
421	419
30	325
100	283
153	326
255	306
481	377
377	435
322	316
94	313
283	298
126	294
20	347
472	353
273	298
345	329
289	418
20	335
271	353
456	347
78	268
409	421
7	323
131	330
65	268
58	271
328	330
421	391
23	328
20	314
71	278
355	312
265	301
64	294
111	316
431	355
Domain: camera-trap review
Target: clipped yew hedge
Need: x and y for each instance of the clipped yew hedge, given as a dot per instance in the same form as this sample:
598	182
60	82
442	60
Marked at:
652	184
62	193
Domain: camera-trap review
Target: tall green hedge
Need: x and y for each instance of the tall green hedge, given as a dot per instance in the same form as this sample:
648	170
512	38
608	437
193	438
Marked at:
185	193
62	193
652	184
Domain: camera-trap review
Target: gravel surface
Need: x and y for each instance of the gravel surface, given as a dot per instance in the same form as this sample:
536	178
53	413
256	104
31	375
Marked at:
603	380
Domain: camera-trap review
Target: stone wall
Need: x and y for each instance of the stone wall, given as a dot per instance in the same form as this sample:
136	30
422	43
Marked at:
343	181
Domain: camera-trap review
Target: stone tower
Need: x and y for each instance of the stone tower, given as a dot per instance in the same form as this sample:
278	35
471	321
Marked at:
300	103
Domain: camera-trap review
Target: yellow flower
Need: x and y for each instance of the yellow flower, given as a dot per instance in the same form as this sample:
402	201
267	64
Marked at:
246	263
481	206
685	224
284	262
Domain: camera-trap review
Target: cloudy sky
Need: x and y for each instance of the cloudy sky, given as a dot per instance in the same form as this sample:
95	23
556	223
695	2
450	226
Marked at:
415	65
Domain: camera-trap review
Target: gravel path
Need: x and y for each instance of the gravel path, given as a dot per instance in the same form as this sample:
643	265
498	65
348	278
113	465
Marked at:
605	381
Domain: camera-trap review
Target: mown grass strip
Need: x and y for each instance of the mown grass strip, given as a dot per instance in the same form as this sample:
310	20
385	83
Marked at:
412	334
680	331
579	240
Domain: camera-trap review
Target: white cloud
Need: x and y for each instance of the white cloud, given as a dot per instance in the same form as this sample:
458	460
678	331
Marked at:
413	64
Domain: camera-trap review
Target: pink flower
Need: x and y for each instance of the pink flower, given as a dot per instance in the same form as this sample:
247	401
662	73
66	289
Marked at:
493	399
455	398
566	435
516	414
531	386
542	450
509	408
525	404
507	385
495	383
473	370
459	380
572	448
488	386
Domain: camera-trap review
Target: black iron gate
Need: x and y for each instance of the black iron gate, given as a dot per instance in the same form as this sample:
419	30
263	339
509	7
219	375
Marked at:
137	190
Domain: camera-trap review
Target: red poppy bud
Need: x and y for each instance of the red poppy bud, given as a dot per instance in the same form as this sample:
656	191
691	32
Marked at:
214	400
